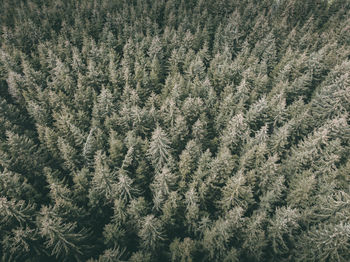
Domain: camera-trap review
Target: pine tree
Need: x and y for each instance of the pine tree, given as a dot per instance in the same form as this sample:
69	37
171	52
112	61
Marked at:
90	147
281	229
62	239
183	250
188	160
20	244
217	239
15	212
111	255
255	241
124	187
162	186
151	233
16	186
159	149
331	242
236	133
104	182
236	193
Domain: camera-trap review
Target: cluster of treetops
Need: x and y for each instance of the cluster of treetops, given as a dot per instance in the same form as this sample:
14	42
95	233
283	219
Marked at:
175	130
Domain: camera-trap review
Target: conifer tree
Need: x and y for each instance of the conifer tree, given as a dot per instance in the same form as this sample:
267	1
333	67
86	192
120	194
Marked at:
159	149
151	233
63	239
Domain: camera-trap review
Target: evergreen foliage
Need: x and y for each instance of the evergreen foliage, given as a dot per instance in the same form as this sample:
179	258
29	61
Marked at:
175	130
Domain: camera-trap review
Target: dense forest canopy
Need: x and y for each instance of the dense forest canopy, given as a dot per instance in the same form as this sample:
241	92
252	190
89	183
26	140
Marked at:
175	130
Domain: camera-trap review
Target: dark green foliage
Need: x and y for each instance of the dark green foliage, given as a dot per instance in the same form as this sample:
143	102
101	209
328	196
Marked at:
178	130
